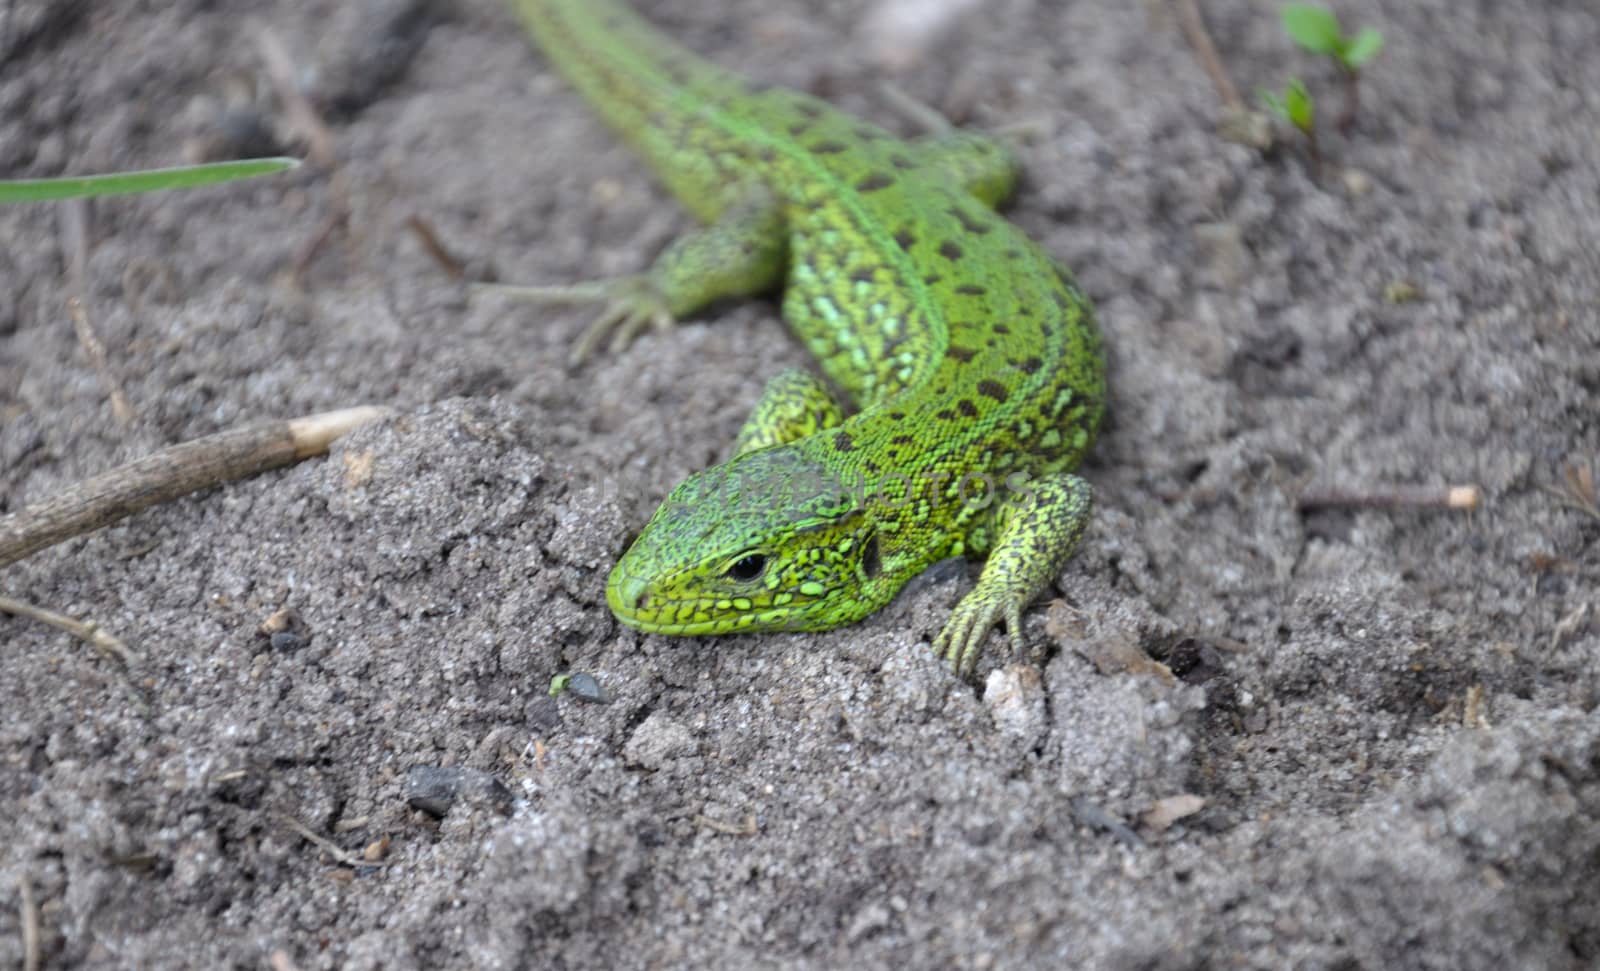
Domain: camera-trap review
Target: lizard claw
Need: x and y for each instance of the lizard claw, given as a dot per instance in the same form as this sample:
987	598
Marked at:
632	303
960	643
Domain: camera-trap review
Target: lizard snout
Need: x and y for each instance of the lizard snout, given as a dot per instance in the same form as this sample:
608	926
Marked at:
629	593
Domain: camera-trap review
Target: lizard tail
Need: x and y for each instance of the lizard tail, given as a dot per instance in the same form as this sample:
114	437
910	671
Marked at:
646	86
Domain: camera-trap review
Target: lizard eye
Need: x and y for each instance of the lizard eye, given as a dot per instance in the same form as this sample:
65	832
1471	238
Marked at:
747	567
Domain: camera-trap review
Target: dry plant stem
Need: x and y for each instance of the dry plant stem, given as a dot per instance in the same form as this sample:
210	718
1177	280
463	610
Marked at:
170	473
102	364
1352	102
1465	498
281	68
1194	28
326	845
74	229
308	250
925	117
452	267
73	226
745	828
90	633
1577	490
31	957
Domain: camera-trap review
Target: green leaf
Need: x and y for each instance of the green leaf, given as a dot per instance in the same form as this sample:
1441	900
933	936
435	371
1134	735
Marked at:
1314	28
149	180
1274	104
1294	105
1365	47
1302	112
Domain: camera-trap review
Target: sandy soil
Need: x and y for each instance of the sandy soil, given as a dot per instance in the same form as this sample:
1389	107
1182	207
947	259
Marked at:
1389	714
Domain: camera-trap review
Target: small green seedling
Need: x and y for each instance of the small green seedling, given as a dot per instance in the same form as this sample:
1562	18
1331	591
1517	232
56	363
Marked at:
148	180
1317	30
1295	106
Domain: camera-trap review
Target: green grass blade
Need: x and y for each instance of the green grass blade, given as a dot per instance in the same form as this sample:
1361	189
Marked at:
149	180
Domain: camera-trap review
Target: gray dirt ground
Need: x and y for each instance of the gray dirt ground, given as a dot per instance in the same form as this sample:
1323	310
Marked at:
1390	715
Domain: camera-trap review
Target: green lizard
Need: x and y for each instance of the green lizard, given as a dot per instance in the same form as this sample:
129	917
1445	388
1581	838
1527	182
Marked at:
970	355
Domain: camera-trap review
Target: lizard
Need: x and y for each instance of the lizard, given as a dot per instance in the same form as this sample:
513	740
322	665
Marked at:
966	368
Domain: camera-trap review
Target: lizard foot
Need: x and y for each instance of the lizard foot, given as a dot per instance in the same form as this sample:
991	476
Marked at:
960	643
632	303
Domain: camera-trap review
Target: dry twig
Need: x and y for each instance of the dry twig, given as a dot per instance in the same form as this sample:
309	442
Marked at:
1238	122
96	350
88	632
434	247
746	828
339	853
74	228
303	117
30	925
308	250
1194	28
1577	490
1466	498
169	473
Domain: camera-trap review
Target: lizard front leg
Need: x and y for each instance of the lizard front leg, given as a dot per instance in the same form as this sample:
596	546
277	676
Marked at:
1036	527
795	404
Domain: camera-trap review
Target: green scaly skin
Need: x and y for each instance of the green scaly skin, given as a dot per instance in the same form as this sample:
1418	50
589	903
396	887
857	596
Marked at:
967	353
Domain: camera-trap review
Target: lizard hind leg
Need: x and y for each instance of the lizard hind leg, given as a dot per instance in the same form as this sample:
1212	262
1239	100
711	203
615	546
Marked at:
795	404
743	253
1036	527
983	165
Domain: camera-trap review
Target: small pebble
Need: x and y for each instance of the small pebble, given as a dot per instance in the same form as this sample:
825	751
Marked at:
1401	291
376	850
434	789
584	687
1015	696
281	619
1160	816
1356	182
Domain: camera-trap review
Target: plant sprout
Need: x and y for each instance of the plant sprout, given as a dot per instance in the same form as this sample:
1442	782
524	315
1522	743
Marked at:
1317	30
1294	105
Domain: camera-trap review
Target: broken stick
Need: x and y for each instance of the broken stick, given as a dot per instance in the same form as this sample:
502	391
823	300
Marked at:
172	472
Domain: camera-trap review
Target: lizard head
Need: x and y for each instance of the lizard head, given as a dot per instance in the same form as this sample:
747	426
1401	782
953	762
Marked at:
769	541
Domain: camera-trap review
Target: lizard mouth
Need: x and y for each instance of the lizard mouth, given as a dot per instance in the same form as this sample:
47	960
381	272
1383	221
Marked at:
634	603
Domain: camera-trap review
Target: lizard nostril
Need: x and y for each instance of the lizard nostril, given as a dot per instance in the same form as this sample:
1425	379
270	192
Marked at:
631	593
